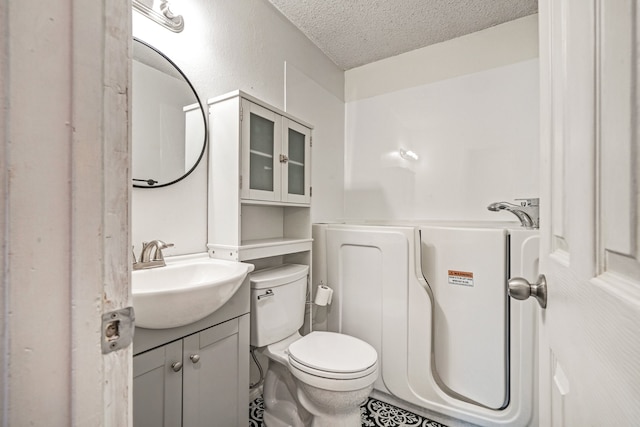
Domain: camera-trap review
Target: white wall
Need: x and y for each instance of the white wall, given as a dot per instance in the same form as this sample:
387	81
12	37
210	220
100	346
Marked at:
327	111
247	45
468	107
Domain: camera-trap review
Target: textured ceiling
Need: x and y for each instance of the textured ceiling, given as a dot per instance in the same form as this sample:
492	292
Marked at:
357	32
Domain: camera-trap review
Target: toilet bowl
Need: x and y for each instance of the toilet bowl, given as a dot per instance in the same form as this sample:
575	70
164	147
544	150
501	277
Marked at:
317	380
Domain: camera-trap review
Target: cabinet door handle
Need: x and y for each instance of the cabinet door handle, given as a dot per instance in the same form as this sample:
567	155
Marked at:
176	366
284	158
195	358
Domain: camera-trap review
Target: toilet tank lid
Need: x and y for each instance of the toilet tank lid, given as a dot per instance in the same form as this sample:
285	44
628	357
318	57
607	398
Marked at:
276	276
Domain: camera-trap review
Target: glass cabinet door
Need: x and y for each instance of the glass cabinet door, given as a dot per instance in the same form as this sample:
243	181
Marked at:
296	174
261	142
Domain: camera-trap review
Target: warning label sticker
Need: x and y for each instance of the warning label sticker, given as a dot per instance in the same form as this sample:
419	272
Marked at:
463	278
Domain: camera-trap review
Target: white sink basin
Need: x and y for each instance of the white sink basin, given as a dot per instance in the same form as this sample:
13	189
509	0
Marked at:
186	290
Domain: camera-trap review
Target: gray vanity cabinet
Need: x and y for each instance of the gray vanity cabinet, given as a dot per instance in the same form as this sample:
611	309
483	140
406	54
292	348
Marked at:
194	382
211	377
157	387
196	375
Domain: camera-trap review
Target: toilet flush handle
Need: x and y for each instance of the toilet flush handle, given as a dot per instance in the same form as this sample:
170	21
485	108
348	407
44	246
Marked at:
268	293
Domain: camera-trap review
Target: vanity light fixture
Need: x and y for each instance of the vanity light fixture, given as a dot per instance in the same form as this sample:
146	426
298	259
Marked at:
166	18
409	155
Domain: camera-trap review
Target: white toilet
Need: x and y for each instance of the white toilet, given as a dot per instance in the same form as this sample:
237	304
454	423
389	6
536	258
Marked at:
317	380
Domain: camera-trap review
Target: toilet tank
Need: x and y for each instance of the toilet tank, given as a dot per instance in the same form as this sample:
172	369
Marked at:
277	302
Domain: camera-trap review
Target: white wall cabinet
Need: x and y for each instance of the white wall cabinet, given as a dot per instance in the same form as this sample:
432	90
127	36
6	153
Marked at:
276	152
259	180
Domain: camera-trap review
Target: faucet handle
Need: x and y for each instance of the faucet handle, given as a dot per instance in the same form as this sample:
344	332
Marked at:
160	245
529	202
163	245
144	246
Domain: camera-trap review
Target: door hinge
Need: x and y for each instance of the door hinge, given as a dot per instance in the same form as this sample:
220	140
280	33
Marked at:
241	182
311	142
241	113
117	329
310	191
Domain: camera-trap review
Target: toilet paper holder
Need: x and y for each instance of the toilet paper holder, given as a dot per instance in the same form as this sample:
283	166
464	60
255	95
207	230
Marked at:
324	295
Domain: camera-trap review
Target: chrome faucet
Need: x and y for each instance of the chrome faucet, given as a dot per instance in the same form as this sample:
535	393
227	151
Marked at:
528	211
146	258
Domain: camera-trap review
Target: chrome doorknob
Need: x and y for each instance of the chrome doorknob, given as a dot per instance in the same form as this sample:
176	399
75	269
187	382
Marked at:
176	366
194	358
520	288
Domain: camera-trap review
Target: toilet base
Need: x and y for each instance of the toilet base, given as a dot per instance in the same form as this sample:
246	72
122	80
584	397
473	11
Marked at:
333	409
281	405
289	402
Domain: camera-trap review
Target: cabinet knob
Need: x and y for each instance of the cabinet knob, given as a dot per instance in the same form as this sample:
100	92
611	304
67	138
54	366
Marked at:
176	366
195	358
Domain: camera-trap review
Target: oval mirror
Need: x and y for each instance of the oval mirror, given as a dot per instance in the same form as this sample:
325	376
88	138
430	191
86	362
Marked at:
168	127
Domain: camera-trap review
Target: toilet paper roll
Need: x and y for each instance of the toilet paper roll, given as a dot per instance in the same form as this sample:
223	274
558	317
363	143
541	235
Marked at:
323	295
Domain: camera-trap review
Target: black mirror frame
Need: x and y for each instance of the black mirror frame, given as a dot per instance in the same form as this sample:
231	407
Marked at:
204	120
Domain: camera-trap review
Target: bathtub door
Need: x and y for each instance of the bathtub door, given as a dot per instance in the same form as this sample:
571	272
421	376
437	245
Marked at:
466	269
590	249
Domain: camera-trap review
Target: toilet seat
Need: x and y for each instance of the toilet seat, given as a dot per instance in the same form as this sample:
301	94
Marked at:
327	360
333	361
329	374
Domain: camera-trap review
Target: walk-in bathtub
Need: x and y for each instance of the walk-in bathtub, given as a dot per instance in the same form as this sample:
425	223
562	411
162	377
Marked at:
432	299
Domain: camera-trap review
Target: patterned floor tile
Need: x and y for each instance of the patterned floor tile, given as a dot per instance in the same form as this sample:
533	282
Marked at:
256	408
374	413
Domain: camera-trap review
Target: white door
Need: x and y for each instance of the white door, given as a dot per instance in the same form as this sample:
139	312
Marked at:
590	330
64	225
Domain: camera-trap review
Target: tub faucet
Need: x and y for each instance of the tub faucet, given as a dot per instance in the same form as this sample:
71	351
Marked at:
528	211
148	261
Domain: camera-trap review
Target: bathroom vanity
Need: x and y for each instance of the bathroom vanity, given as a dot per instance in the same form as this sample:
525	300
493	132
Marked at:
192	375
